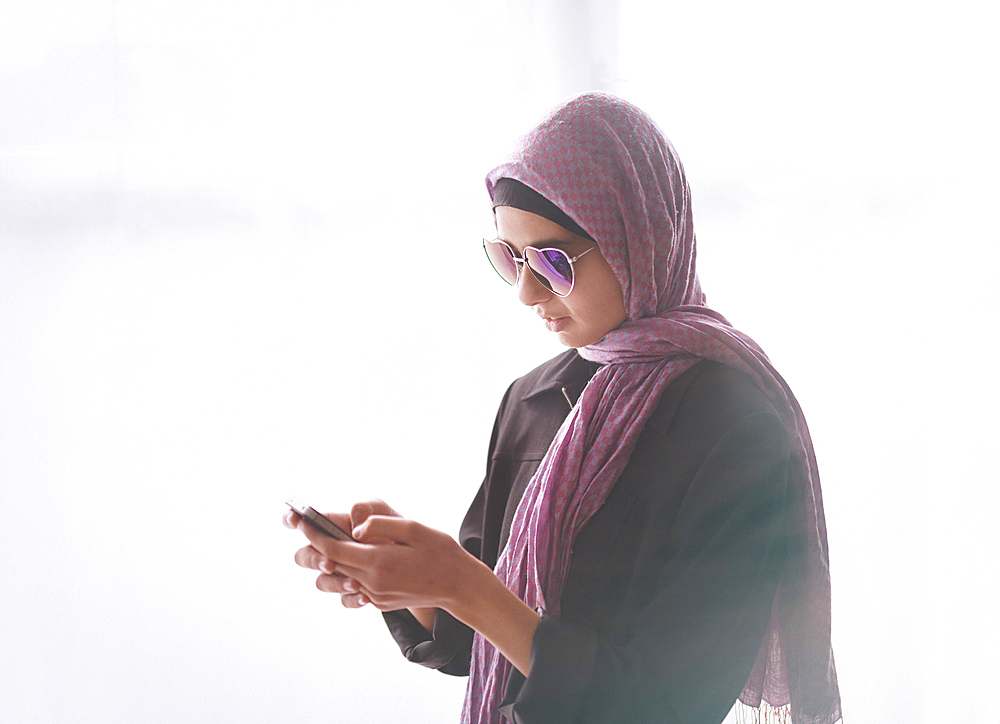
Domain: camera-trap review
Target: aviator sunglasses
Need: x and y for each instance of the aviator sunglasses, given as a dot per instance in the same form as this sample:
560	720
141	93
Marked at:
552	267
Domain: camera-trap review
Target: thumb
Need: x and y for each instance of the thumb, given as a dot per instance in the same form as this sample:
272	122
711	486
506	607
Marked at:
383	529
364	510
360	513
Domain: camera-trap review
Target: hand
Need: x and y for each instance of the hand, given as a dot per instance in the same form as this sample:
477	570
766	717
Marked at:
423	569
310	557
395	563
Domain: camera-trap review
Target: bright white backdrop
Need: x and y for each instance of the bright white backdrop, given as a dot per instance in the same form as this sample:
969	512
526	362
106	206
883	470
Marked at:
190	331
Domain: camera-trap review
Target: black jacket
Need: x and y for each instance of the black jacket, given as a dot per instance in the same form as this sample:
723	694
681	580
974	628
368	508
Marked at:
671	583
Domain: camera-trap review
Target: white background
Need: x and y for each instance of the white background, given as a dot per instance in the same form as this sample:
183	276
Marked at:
239	260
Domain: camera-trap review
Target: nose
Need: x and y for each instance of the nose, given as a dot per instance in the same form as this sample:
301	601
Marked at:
530	291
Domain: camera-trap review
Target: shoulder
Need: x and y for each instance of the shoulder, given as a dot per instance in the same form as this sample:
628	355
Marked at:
710	399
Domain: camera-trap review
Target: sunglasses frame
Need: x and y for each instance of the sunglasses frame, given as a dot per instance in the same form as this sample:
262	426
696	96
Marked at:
520	262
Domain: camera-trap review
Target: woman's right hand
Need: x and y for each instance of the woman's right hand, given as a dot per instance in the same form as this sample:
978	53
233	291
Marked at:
309	557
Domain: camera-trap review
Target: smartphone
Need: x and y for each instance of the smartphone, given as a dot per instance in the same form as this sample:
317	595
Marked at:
318	520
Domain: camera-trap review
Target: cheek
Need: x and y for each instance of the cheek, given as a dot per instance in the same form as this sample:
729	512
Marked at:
615	316
603	309
612	300
597	302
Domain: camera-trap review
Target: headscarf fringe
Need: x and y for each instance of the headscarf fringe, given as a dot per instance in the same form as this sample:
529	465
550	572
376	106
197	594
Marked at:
763	714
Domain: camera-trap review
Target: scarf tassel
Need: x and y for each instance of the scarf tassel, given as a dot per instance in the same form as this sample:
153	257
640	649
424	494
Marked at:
763	714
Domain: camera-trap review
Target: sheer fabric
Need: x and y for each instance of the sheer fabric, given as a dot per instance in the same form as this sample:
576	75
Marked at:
605	163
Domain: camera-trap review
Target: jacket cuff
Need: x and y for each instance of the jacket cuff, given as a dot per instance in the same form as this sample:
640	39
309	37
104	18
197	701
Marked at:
448	648
563	659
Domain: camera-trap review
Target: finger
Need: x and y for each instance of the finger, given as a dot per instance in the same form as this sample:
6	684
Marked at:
386	529
382	603
372	583
337	584
380	507
360	513
341	520
320	540
354	600
355	575
342	557
309	557
351	556
291	519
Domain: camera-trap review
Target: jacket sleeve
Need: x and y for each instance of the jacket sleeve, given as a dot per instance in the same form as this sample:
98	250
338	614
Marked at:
448	648
687	653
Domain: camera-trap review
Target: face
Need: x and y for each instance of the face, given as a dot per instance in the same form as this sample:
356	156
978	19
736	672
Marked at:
593	308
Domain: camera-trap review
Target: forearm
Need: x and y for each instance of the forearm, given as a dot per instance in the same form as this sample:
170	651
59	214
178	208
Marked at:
425	616
485	604
397	564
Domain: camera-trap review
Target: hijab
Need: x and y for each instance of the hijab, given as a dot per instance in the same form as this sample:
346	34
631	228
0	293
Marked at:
606	165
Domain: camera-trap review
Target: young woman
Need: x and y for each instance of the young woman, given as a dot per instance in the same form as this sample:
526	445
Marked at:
649	542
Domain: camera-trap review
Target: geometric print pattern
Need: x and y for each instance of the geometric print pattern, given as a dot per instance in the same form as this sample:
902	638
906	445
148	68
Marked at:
607	165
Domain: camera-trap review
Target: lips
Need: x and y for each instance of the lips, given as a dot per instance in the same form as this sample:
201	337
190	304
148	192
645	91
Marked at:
555	324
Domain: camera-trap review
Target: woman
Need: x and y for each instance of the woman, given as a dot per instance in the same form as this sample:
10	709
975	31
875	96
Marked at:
649	542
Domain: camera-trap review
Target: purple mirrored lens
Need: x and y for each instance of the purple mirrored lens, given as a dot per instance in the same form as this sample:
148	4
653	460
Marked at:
502	259
552	267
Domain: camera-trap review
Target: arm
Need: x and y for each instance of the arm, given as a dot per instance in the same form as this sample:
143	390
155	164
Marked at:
442	642
397	563
434	637
425	617
671	636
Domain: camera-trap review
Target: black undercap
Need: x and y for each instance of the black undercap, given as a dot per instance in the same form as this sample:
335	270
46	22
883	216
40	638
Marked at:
508	192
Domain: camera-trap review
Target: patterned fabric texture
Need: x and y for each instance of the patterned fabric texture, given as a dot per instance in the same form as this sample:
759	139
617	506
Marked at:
609	167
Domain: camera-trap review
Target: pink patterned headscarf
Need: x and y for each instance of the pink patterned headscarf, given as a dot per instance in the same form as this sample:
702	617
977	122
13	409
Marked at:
607	165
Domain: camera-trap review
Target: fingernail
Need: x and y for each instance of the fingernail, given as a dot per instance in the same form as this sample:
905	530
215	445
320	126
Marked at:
287	519
350	585
326	566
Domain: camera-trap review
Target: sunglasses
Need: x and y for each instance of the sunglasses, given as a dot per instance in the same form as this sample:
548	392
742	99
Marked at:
553	268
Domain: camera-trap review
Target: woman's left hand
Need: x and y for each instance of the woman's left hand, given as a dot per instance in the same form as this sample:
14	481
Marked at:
396	563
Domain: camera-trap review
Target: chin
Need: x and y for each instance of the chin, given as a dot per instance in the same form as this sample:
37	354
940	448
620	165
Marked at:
575	341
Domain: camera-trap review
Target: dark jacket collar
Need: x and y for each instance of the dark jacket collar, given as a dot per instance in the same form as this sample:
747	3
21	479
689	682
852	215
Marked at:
568	371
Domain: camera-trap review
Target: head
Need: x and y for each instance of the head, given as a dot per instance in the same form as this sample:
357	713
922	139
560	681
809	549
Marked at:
607	168
593	308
